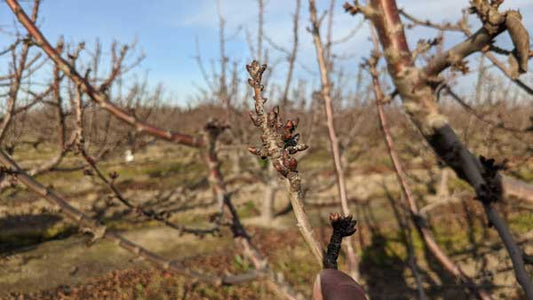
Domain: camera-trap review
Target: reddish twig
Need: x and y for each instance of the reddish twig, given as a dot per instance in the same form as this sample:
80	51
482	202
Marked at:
96	94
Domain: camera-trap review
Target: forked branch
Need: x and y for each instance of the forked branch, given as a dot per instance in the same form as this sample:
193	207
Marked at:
416	87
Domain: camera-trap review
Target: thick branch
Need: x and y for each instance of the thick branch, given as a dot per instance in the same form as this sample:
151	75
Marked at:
475	43
419	101
418	220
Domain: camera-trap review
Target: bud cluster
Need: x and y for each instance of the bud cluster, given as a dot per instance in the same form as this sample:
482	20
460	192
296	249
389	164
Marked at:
279	140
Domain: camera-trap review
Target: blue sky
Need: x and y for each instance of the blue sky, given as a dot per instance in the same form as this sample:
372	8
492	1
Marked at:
165	31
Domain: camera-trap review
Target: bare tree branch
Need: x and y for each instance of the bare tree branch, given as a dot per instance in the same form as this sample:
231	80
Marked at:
95	93
279	143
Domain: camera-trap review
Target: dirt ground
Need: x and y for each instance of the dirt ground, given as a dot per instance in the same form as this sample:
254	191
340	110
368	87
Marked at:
44	257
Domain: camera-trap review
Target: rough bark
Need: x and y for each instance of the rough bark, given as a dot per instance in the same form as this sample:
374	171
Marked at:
418	220
414	85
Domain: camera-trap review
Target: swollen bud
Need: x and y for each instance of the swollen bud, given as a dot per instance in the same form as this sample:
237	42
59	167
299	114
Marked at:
276	110
296	122
292	164
254	118
253	150
289	125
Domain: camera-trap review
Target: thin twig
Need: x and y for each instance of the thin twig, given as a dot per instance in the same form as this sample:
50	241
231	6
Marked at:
279	143
333	139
